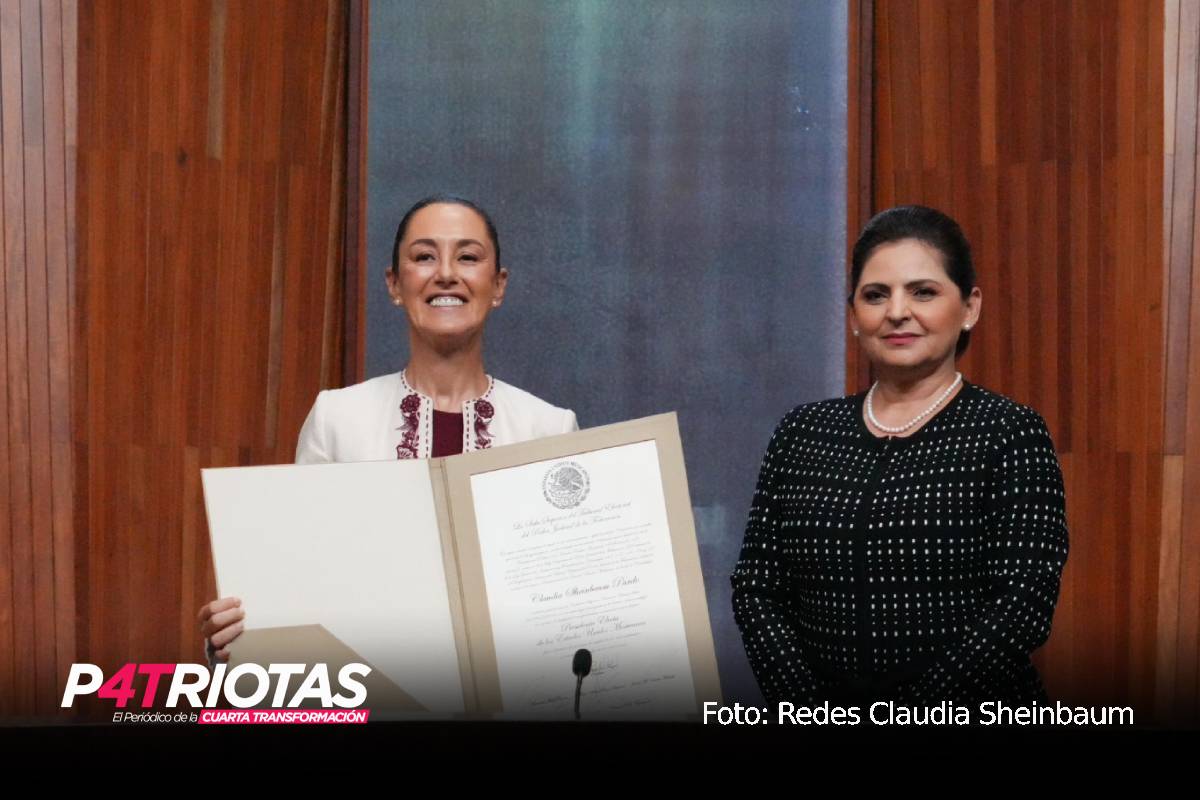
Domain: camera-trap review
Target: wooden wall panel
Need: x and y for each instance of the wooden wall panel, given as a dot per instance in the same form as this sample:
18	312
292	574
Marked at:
860	171
358	35
37	610
1039	126
1178	651
209	294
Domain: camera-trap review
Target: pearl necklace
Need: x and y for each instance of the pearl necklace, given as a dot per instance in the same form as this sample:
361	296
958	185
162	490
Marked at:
918	417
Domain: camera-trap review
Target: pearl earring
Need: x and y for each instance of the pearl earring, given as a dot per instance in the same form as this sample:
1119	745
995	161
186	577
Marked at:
856	331
966	327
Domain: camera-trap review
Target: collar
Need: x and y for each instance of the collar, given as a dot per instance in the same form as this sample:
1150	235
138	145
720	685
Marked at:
415	411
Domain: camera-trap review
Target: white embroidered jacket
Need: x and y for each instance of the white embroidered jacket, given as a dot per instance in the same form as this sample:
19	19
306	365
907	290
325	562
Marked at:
385	418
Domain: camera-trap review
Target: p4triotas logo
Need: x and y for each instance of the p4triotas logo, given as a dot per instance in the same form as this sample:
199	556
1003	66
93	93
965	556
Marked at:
243	687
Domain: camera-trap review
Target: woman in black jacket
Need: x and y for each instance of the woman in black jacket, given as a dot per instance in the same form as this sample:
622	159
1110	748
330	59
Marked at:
905	543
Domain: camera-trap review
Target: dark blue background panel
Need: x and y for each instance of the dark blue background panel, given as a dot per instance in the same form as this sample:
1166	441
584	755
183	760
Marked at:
668	180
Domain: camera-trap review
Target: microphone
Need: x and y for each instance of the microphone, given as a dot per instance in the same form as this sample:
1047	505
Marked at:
581	665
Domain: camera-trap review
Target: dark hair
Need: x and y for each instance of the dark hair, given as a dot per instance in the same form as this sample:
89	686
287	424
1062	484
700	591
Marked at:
453	200
926	225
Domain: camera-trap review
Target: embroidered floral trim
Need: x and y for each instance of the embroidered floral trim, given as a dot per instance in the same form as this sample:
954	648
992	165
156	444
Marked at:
410	407
417	413
484	411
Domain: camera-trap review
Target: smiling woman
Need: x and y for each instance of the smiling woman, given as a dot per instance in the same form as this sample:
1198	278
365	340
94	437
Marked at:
905	543
447	276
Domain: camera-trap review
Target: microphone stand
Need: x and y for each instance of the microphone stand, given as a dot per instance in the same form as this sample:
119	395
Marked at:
581	665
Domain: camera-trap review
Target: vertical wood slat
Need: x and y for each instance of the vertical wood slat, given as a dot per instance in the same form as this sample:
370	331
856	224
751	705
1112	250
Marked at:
333	141
859	61
37	578
20	520
1061	193
59	69
1170	104
1178	626
1167	650
9	63
1187	670
1150	327
1182	221
42	529
355	247
859	132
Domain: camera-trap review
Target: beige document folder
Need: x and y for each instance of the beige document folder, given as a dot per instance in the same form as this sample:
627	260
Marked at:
367	536
312	644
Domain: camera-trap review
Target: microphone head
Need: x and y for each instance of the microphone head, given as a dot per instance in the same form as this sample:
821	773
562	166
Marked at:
581	665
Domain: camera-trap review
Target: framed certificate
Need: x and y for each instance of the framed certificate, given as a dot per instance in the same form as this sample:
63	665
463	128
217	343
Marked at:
478	577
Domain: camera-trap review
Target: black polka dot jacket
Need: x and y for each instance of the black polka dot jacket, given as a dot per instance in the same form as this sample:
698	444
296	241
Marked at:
914	569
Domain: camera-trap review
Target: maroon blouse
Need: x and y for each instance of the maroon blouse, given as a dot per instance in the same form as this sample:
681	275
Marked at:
447	434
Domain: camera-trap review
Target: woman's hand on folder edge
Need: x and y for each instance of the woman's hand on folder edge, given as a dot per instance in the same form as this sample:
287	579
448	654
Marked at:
221	623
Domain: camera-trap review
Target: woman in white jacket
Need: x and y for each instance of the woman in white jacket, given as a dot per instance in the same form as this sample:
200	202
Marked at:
446	274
